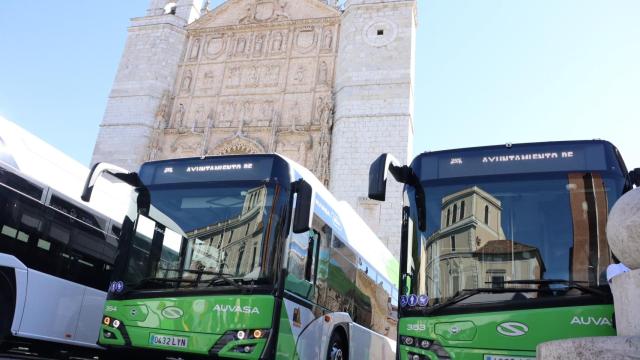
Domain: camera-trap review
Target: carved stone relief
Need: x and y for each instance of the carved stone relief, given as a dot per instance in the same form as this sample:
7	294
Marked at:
323	73
255	88
195	49
327	39
300	74
261	11
253	76
306	39
216	46
178	119
278	42
226	114
295	145
187	145
187	80
259	45
238	144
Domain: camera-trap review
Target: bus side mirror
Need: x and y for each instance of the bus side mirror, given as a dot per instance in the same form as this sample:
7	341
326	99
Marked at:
634	175
129	178
119	173
302	215
378	178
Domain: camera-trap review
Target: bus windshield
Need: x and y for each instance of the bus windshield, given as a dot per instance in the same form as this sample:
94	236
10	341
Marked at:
511	238
202	235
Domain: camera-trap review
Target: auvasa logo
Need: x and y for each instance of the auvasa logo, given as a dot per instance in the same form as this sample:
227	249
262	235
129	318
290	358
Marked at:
236	309
581	320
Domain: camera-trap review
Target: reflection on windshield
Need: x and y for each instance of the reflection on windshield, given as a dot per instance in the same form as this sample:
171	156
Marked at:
485	235
200	234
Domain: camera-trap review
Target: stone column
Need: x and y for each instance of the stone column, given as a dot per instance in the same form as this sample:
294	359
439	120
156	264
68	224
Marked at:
623	232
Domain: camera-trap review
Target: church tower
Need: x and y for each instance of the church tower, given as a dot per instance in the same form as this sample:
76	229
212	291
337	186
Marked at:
374	105
145	78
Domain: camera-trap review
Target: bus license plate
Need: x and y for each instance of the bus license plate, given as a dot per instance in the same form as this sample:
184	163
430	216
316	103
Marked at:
170	341
506	357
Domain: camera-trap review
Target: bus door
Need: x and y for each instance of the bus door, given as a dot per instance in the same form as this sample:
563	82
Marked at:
308	258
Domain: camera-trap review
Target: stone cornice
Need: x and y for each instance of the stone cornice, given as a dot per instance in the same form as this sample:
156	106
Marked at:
262	26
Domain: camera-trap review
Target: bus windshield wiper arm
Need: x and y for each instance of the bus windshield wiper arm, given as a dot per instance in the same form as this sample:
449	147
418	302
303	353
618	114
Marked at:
157	280
467	293
226	278
568	283
218	276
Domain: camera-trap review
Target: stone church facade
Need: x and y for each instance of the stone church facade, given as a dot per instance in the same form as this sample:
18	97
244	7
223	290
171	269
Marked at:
327	85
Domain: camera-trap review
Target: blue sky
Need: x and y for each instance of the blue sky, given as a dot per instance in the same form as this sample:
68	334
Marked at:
490	71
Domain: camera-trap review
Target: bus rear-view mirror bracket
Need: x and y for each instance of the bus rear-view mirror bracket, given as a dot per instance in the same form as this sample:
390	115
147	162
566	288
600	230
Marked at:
302	215
130	178
634	175
378	174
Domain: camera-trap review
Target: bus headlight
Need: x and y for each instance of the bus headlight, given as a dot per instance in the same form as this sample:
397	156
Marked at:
416	342
407	340
116	323
241	335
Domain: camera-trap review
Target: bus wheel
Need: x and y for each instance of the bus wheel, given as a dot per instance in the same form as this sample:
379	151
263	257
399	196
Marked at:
337	347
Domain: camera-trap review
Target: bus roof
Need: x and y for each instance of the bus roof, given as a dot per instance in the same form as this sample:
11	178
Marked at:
529	158
38	160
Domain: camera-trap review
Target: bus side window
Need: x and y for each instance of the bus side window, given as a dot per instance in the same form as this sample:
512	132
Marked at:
297	264
87	248
304	257
20	184
312	246
21	222
342	277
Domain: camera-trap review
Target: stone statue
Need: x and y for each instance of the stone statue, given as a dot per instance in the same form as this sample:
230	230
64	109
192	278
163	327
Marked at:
299	77
180	116
186	81
195	49
328	39
248	18
323	77
326	115
259	45
278	39
162	120
280	13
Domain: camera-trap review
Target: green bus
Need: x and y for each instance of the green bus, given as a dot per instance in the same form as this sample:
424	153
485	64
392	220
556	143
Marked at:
504	247
245	257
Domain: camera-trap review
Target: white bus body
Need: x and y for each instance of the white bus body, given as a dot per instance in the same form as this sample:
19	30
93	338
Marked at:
59	300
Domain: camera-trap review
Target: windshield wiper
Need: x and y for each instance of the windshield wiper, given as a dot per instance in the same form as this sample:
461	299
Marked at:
227	278
568	283
467	293
156	280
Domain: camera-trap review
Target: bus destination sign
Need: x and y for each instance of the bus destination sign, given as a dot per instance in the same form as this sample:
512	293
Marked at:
209	169
513	160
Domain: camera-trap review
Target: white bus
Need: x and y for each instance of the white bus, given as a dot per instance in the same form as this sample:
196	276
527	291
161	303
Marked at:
56	252
246	257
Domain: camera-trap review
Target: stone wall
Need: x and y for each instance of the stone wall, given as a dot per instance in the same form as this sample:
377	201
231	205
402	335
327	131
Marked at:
374	106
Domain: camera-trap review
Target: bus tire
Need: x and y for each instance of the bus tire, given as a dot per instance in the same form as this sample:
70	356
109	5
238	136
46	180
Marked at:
338	348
